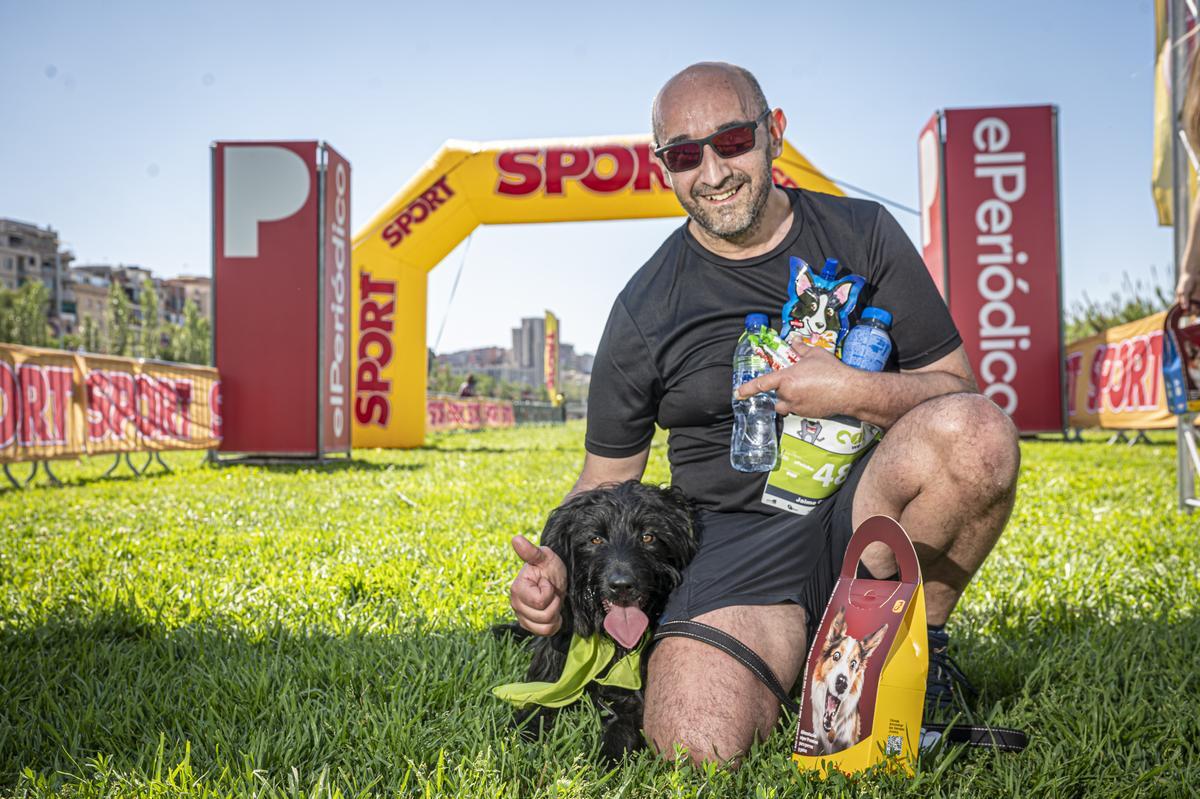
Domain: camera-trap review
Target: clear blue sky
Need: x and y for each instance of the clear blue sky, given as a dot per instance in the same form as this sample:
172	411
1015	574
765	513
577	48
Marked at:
109	107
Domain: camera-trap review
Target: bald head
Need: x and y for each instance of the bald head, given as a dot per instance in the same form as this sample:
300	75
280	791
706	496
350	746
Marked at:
708	80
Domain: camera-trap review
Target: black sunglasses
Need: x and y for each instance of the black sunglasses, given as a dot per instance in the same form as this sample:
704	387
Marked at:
727	143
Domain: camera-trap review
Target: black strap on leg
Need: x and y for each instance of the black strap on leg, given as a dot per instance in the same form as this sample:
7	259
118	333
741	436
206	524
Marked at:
732	647
1001	738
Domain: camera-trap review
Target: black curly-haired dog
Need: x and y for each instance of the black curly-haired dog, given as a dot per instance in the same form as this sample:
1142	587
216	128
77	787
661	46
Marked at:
625	546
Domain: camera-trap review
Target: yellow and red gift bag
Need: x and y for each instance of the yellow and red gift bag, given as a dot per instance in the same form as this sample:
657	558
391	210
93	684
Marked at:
864	685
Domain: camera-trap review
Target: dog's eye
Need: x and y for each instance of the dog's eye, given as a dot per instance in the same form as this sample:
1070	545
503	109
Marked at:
647	538
854	665
837	655
597	540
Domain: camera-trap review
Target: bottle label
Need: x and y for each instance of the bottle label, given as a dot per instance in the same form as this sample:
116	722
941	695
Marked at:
816	456
746	369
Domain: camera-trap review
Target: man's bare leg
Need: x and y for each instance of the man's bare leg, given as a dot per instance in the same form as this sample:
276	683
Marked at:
700	697
947	471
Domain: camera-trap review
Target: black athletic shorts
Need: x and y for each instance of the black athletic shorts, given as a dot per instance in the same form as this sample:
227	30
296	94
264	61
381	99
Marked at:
756	559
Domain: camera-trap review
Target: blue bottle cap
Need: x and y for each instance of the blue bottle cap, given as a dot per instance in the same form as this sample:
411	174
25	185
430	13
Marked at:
829	270
871	312
756	320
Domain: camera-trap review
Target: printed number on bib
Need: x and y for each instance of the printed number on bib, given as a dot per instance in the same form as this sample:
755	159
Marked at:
826	475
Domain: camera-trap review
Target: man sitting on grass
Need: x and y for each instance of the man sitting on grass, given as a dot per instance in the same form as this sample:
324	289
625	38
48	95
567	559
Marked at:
946	467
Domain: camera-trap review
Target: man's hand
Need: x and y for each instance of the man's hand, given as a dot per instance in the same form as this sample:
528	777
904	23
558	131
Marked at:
816	386
536	595
1187	292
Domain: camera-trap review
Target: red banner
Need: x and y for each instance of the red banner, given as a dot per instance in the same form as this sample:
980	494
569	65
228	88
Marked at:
336	304
1000	206
266	282
281	217
550	358
451	413
933	209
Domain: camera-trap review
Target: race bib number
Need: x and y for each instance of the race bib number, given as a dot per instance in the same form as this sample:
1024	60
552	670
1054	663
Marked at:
816	456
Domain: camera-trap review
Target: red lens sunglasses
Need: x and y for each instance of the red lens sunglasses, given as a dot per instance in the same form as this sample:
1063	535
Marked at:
727	143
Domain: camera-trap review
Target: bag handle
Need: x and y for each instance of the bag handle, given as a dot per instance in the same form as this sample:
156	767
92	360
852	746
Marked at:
888	531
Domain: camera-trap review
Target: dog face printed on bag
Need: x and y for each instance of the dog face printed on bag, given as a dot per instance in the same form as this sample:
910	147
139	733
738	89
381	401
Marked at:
818	309
837	685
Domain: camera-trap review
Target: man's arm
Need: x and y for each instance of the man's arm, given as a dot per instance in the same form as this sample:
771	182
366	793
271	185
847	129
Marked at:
597	471
1187	290
818	385
883	397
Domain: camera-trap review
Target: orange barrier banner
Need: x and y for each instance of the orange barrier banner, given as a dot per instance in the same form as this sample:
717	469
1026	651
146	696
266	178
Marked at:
452	413
1114	379
41	411
58	404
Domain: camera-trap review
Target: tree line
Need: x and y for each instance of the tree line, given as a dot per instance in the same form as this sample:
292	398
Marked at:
23	320
1136	299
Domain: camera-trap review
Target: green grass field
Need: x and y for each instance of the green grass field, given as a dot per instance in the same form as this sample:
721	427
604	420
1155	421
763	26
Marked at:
301	631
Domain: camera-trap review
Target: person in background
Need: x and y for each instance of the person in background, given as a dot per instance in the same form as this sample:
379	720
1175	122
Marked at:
1187	289
467	389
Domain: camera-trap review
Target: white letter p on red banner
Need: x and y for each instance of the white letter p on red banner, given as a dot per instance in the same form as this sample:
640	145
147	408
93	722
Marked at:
262	184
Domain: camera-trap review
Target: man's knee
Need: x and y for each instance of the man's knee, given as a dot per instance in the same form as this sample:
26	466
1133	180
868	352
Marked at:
973	440
700	699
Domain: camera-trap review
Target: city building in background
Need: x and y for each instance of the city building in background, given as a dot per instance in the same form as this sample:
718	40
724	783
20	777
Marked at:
528	350
28	252
525	362
194	289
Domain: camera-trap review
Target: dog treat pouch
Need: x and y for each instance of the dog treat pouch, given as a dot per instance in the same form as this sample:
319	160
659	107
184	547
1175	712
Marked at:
864	684
815	455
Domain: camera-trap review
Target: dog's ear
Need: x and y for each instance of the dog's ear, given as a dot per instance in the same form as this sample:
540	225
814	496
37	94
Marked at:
872	641
842	293
803	281
682	512
557	535
837	630
676	518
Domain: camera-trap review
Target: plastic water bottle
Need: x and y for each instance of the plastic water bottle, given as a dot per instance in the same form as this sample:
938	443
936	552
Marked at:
753	446
868	345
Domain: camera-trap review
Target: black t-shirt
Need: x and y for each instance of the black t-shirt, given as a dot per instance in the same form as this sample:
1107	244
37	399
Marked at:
666	354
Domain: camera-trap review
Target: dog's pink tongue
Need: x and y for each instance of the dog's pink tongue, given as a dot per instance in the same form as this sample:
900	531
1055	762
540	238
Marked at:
831	706
626	624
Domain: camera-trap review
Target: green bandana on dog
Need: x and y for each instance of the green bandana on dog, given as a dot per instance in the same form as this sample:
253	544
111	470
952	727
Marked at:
586	658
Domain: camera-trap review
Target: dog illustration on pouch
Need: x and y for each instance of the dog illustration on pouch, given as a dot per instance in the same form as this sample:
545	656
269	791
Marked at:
625	547
817	311
837	685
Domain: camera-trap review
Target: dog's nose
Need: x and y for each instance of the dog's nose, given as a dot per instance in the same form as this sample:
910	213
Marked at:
839	685
620	582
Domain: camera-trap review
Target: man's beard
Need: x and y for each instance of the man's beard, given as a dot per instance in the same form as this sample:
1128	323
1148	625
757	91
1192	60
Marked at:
738	222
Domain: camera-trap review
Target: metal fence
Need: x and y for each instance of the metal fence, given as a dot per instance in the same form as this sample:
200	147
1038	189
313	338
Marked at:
527	412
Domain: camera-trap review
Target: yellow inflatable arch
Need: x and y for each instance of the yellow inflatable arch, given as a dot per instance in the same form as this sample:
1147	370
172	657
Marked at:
468	184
